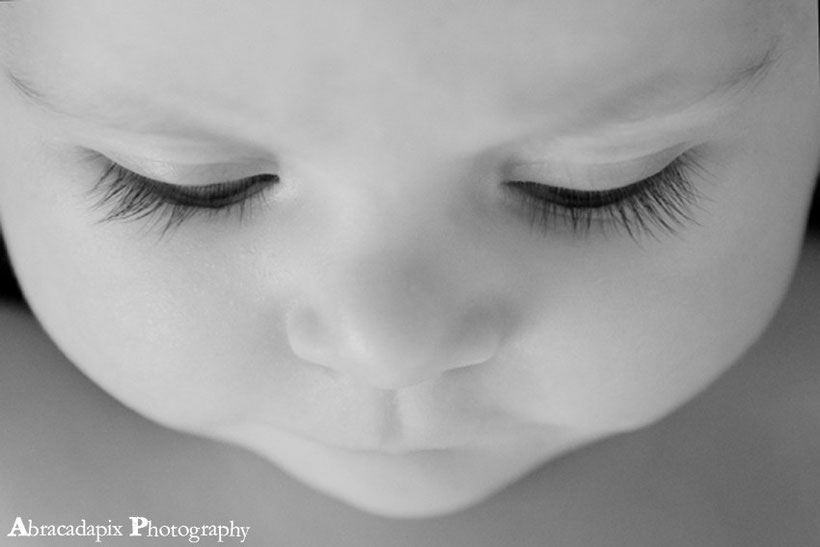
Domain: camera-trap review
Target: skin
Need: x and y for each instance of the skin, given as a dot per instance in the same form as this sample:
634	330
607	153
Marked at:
390	328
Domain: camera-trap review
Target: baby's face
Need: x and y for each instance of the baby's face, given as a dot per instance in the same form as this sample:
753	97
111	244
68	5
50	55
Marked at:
430	271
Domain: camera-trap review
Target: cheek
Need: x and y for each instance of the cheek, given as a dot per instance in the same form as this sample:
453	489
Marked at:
620	349
625	352
164	328
654	329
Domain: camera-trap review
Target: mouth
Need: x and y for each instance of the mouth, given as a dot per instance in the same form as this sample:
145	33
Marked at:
403	445
397	439
424	419
388	430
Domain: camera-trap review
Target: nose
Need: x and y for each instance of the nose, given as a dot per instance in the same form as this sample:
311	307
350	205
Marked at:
391	323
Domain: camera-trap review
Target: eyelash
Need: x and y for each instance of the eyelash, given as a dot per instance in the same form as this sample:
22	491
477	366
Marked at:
131	196
663	201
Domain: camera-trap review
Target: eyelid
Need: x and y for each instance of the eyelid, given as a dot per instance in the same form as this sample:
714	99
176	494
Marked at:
187	174
129	196
208	196
665	200
592	176
183	189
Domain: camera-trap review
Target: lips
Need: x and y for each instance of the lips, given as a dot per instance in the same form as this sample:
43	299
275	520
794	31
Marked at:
394	435
450	413
423	438
376	421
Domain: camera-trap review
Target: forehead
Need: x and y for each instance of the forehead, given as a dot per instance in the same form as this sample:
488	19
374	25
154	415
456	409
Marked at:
326	67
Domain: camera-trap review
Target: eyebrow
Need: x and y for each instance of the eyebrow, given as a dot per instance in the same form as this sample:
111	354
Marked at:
121	116
632	104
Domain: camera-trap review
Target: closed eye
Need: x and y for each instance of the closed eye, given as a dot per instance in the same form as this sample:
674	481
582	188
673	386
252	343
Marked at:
663	201
130	196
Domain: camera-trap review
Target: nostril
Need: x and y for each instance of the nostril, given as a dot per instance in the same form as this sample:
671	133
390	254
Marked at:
478	352
477	341
308	336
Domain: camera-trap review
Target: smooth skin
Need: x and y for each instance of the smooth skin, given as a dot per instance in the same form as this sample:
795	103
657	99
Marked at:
736	466
390	328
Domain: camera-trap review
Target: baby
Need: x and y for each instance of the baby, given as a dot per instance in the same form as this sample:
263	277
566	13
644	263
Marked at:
407	251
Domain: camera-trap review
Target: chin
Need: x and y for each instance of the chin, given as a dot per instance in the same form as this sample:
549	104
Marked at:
424	501
406	485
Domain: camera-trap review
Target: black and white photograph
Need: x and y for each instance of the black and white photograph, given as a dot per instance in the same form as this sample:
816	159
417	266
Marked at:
409	273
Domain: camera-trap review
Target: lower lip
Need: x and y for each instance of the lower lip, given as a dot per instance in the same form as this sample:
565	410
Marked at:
406	448
397	440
